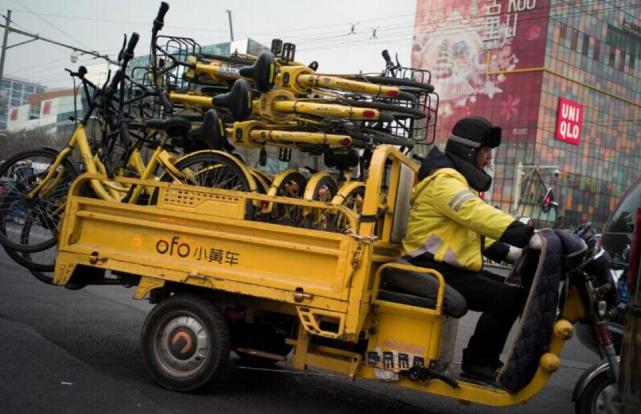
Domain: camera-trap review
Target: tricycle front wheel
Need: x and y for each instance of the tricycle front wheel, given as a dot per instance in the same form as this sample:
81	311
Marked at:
598	395
185	343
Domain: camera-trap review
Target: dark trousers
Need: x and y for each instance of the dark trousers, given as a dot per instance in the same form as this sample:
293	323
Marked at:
485	292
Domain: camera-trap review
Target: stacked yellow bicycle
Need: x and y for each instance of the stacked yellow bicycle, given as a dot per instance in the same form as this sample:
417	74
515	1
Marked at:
184	117
273	101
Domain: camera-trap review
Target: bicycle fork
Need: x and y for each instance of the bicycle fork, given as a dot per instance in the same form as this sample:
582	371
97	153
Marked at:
48	183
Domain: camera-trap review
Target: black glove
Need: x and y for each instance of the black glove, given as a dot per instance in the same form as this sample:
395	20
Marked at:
585	232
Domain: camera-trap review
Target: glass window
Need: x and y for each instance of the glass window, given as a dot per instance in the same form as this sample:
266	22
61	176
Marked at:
622	60
586	44
613	56
64	116
622	218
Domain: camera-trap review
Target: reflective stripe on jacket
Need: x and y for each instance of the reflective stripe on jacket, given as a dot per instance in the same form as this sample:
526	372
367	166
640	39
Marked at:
447	219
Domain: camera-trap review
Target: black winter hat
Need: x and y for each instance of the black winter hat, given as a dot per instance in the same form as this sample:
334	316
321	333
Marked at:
479	130
468	135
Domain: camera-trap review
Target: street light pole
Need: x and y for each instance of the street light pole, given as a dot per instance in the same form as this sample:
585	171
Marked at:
4	43
519	176
231	28
517	189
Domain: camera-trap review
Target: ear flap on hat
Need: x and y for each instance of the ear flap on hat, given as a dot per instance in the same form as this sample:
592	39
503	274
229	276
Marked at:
492	137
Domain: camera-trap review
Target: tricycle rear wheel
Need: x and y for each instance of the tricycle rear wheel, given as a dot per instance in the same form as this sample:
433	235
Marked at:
185	343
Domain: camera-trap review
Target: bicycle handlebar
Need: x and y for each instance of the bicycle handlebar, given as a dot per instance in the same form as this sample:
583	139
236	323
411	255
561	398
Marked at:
82	71
165	102
114	82
159	21
129	52
387	57
389	64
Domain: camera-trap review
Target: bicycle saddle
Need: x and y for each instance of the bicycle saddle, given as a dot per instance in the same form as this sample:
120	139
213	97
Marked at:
262	72
209	135
174	126
238	100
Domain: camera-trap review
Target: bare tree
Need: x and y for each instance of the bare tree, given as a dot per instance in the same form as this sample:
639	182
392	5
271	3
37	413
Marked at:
53	137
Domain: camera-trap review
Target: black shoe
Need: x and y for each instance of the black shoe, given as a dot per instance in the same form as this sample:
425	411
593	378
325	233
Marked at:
472	369
485	373
498	366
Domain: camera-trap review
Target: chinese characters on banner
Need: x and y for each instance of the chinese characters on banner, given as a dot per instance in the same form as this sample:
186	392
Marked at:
478	52
569	117
494	30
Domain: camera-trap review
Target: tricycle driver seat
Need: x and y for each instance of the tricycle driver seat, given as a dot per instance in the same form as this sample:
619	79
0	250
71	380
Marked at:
419	289
407	287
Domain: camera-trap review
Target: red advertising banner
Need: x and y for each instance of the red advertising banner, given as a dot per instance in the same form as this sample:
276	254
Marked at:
569	118
485	57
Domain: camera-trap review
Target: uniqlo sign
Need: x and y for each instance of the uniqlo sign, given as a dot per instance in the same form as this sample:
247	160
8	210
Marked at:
569	117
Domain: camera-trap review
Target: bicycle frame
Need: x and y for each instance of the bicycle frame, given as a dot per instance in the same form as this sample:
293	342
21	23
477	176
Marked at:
254	134
110	190
301	80
216	71
281	105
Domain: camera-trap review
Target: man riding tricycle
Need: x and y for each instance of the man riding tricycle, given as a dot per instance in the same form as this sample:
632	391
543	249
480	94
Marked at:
223	279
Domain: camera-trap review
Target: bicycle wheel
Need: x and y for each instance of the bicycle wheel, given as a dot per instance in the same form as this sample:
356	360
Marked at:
353	200
27	260
291	184
263	182
19	176
213	170
324	190
37	262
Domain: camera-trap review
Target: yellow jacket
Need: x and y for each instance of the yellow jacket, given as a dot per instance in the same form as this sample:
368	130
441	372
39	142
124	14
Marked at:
447	219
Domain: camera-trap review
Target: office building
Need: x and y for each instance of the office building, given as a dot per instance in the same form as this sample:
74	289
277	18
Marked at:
563	80
14	92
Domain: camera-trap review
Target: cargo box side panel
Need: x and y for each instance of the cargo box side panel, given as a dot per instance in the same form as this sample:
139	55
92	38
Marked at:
253	253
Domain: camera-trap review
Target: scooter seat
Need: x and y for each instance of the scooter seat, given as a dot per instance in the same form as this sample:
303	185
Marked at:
419	289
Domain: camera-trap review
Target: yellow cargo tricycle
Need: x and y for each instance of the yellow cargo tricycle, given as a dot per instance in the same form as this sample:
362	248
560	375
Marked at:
224	280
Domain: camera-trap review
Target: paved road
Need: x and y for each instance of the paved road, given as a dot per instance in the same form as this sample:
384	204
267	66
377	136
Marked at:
78	352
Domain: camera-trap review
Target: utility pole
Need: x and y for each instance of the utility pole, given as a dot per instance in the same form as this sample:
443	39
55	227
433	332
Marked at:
34	37
231	28
4	43
4	103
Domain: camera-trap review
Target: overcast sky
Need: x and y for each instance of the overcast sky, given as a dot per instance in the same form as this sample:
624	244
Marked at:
319	28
